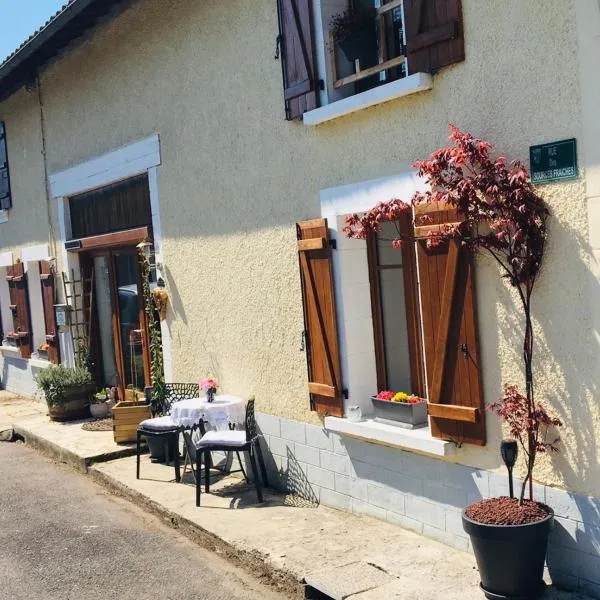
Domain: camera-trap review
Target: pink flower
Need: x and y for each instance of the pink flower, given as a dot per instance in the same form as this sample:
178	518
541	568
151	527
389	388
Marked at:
209	383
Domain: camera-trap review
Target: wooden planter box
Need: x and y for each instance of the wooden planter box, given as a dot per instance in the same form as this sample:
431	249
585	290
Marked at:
126	418
410	416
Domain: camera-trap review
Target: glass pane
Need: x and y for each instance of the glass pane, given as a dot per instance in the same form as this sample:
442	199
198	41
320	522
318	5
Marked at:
385	253
395	337
126	275
104	312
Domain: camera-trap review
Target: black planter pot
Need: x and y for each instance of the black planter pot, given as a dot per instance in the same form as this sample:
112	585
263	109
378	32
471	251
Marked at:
361	44
510	558
157	447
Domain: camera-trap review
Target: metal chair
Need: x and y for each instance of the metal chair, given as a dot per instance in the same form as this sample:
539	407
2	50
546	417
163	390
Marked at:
163	426
232	441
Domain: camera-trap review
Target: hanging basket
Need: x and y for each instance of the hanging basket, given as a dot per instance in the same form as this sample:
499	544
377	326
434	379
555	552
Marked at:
361	45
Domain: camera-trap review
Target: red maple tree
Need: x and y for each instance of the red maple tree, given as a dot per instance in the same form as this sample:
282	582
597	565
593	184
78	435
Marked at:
500	213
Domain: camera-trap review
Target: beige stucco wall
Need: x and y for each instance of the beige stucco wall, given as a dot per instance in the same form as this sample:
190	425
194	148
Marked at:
28	219
235	177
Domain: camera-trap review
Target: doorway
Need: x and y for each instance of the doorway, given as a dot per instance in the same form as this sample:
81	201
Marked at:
119	332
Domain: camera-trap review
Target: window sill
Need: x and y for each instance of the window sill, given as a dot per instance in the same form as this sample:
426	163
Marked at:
10	351
418	82
419	440
39	363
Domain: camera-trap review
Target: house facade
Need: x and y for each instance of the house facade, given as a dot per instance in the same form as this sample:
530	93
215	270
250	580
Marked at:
168	122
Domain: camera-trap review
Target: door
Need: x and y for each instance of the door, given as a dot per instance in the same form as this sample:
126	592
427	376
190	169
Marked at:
121	344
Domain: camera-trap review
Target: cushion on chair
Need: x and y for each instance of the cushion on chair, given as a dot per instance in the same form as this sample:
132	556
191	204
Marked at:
158	424
223	438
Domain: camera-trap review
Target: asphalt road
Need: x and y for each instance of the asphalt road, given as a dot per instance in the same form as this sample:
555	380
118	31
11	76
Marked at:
63	537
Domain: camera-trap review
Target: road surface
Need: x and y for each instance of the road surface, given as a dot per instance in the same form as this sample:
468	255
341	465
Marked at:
63	537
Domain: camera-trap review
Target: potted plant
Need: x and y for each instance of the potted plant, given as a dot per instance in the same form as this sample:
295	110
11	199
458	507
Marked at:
354	32
499	213
67	391
98	406
410	410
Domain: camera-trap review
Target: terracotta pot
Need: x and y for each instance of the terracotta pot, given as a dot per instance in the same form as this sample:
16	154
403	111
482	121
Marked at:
76	404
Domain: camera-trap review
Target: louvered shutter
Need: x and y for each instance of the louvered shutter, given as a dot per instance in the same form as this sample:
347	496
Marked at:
322	350
297	57
434	34
48	300
5	195
19	300
450	334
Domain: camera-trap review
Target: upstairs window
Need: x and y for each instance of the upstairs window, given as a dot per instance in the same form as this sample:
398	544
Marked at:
332	50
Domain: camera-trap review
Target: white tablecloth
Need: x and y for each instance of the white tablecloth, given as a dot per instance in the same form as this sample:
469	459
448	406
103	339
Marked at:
224	410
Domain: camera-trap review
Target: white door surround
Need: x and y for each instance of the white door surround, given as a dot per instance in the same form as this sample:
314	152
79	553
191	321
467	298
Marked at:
138	158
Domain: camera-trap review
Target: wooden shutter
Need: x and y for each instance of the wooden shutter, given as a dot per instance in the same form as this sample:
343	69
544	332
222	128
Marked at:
297	57
48	300
434	34
450	334
5	195
322	351
19	305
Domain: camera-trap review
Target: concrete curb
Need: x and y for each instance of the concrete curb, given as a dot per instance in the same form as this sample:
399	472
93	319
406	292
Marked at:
52	450
250	560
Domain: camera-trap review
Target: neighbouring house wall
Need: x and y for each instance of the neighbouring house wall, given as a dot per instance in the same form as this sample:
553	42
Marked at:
28	224
235	177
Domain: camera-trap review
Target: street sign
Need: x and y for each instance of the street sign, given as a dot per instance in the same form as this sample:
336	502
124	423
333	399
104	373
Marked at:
554	161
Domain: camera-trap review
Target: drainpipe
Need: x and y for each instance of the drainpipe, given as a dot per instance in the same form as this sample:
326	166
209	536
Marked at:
38	85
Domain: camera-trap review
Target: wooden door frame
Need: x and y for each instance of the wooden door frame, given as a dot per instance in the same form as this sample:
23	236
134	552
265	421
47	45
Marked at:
109	252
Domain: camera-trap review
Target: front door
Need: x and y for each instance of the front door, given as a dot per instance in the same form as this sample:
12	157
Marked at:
119	338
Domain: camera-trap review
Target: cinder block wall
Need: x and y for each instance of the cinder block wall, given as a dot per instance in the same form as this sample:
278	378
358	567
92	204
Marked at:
422	494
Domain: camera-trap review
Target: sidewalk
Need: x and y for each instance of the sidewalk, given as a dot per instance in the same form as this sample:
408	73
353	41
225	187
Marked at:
286	540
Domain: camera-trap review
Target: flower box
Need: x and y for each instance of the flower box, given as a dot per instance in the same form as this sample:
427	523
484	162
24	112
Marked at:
403	414
126	418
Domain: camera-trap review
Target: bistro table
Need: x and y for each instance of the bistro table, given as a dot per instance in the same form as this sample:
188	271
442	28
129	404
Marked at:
219	414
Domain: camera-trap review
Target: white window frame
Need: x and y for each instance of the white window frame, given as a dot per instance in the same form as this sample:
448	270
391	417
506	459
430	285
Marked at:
354	314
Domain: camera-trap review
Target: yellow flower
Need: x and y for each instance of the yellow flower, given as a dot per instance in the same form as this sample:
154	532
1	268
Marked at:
400	397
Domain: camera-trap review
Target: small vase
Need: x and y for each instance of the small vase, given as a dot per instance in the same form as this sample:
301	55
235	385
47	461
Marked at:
210	395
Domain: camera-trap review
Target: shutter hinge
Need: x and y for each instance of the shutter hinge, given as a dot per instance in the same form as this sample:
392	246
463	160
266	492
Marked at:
321	84
345	393
333	244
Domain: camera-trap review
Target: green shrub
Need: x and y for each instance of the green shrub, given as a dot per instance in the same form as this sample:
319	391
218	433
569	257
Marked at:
55	380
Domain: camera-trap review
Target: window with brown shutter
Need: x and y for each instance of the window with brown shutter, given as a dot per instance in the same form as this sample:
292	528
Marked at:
19	306
48	301
297	57
434	34
449	323
321	337
5	193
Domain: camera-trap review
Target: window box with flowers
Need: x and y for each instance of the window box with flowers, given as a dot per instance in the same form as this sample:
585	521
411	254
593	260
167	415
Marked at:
402	409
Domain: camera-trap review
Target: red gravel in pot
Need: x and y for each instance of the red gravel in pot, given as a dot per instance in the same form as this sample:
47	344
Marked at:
506	511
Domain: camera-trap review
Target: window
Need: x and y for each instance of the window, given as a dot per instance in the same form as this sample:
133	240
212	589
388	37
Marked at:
117	207
372	51
423	323
394	305
5	193
328	56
